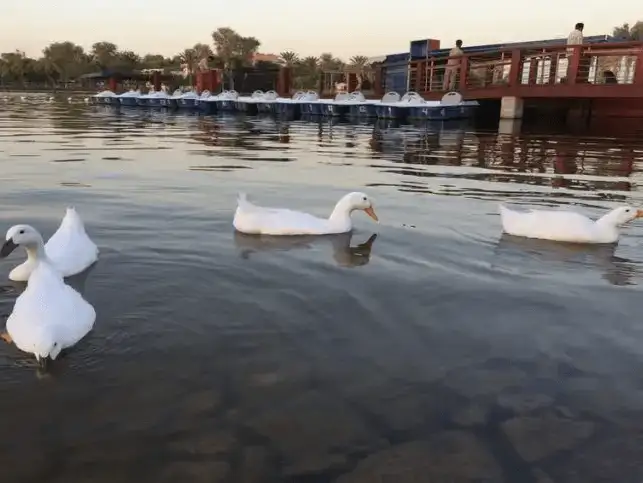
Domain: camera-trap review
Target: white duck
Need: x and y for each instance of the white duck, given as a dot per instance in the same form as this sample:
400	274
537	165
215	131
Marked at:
49	315
567	226
257	220
70	250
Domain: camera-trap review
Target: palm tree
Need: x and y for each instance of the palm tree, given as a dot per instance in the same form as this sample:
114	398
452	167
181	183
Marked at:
189	61
306	75
203	53
330	63
633	33
289	58
359	62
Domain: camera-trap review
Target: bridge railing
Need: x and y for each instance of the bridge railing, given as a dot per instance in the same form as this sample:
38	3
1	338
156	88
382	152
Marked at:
608	64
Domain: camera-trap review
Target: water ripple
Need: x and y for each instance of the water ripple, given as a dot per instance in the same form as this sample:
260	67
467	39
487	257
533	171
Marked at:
335	358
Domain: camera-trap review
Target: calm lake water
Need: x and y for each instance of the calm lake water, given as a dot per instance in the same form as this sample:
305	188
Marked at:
428	348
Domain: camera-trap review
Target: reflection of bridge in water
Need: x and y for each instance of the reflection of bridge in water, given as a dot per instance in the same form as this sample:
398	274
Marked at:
592	160
561	161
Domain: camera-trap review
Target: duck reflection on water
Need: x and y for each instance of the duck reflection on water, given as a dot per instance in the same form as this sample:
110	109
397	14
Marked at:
511	251
344	254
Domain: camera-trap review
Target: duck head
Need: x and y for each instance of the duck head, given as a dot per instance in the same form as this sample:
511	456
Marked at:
361	201
20	235
623	215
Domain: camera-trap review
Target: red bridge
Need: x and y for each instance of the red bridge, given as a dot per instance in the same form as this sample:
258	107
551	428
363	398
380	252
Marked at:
602	78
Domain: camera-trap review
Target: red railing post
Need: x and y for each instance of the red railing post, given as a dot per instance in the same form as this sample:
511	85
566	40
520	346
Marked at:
464	72
378	82
515	71
638	70
418	76
431	74
572	64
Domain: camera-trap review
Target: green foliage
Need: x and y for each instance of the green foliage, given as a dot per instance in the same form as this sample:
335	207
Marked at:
634	33
64	62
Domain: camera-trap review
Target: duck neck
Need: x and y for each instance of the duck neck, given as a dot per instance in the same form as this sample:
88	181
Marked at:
608	221
608	227
36	252
341	214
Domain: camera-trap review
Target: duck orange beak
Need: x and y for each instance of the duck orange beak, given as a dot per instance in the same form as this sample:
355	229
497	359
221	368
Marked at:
371	212
639	214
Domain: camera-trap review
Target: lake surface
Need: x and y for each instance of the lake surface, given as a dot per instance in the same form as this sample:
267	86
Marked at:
436	351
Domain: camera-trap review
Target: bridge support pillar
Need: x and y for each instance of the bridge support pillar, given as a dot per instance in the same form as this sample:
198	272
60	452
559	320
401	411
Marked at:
511	107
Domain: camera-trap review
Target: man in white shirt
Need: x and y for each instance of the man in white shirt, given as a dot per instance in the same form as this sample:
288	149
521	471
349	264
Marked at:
575	38
453	65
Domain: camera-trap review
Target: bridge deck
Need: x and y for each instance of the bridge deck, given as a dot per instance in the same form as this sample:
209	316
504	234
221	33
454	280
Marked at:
608	70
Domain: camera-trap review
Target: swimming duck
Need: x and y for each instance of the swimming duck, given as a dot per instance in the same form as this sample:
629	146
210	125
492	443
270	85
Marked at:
70	250
257	220
49	315
567	226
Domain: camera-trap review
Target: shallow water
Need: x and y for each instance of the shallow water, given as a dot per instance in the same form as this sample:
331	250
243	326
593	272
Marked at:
437	350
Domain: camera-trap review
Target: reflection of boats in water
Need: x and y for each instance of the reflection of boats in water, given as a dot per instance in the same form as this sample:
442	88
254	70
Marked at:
521	253
344	254
431	143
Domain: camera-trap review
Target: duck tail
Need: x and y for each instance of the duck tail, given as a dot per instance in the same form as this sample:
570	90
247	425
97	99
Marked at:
242	200
508	218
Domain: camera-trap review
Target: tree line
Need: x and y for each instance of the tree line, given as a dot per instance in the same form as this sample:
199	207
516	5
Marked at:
62	63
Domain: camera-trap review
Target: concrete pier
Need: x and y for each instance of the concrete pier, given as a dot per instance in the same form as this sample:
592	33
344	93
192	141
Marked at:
511	108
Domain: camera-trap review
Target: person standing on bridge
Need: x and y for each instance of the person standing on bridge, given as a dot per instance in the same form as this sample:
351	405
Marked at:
453	65
576	35
574	38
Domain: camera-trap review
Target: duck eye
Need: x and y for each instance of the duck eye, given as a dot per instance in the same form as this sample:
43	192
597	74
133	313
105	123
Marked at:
365	198
22	232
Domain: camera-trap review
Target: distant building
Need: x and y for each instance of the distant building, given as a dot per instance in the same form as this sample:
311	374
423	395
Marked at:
258	57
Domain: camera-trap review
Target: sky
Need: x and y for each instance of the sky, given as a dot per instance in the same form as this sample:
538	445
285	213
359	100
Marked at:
345	28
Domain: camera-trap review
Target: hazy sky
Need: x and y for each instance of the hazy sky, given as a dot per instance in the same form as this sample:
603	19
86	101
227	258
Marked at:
346	27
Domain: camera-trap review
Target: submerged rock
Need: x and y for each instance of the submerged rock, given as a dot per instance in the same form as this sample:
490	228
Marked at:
471	415
535	438
194	472
255	466
483	382
450	456
314	433
612	459
522	403
204	443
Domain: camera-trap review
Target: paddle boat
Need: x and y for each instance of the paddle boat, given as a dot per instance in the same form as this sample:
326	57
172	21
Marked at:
267	104
310	104
156	99
336	107
248	105
292	107
129	98
399	109
360	107
451	106
226	101
185	100
105	98
206	102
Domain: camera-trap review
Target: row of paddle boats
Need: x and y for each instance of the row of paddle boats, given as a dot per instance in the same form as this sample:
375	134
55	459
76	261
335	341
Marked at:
392	106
